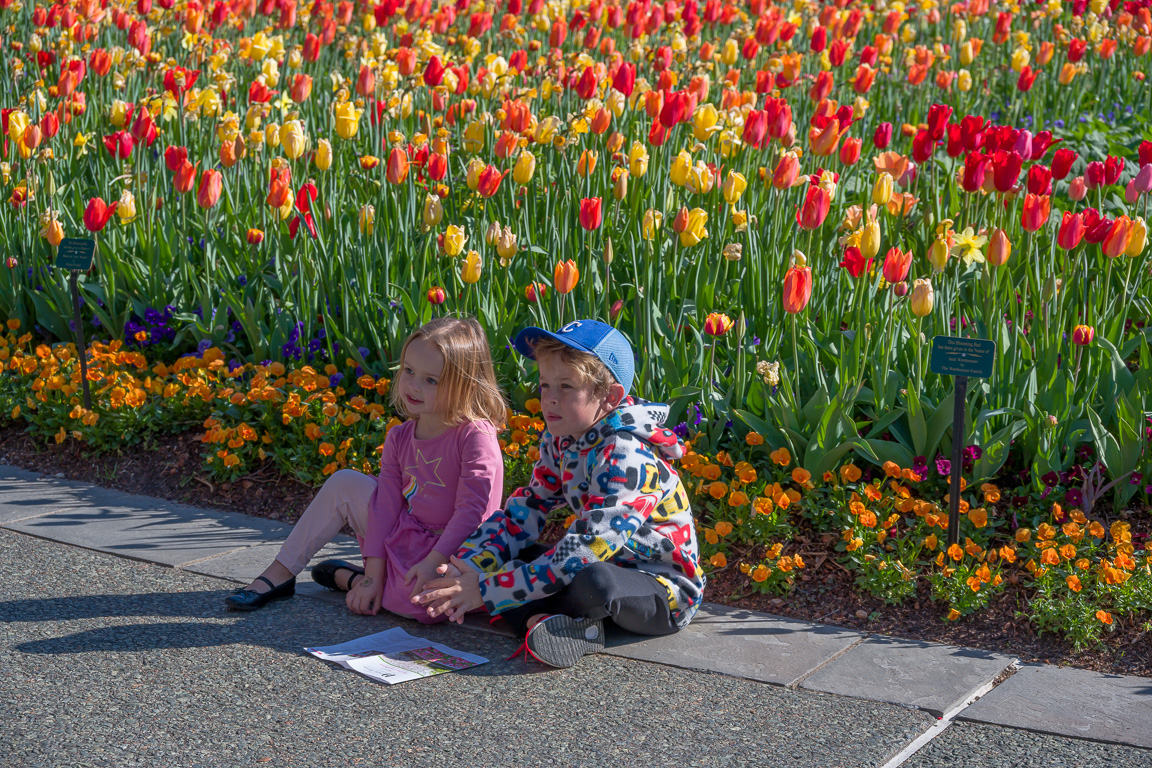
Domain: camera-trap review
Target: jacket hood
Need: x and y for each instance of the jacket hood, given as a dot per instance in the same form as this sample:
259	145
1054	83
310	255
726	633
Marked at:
639	418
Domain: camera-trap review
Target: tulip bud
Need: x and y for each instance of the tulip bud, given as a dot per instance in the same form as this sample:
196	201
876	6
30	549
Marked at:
620	184
999	248
680	223
367	219
492	234
922	297
900	289
323	157
614	312
506	246
938	255
1082	335
433	211
1078	189
471	268
436	295
870	239
126	208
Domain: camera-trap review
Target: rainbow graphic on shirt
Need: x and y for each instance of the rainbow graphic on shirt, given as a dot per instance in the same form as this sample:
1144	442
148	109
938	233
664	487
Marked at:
411	488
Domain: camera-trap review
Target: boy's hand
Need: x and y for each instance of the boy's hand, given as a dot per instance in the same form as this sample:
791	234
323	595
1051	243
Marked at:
455	593
364	597
424	571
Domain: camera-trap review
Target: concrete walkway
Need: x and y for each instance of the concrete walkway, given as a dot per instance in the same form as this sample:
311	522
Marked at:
928	703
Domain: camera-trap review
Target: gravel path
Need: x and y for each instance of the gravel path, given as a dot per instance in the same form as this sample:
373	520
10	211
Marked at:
973	745
111	662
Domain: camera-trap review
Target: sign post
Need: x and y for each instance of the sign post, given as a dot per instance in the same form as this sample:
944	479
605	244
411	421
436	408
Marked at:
959	357
75	254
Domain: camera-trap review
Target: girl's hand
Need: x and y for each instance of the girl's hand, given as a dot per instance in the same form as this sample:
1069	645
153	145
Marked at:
364	597
454	594
427	569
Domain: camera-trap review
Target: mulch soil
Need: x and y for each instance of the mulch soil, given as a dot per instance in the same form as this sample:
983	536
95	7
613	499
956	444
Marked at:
171	468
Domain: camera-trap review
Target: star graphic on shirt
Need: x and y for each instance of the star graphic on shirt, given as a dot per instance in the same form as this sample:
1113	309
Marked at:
434	471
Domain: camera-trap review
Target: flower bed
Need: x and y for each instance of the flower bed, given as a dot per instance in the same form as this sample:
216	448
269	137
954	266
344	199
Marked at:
758	512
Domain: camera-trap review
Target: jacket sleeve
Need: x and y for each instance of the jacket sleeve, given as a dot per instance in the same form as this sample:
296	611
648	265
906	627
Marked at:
500	539
478	489
388	499
625	488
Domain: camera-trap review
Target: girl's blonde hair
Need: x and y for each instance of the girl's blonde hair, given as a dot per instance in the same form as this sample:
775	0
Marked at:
468	390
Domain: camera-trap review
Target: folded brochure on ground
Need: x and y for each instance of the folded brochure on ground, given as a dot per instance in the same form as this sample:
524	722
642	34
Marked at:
395	656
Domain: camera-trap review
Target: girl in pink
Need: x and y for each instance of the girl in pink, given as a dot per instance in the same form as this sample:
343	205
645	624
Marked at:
441	476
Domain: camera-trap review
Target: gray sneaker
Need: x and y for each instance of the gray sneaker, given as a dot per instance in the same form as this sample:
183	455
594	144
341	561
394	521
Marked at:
560	641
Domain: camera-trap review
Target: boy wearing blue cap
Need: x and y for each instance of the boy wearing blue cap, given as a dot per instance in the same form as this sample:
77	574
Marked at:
630	555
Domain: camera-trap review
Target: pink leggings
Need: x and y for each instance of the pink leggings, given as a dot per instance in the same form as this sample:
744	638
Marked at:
343	500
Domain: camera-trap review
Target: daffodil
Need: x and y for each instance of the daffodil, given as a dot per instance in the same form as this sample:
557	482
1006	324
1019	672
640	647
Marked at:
968	245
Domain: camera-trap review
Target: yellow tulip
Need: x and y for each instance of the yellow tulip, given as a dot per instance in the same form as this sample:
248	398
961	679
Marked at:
734	187
681	166
272	135
964	81
506	245
614	102
292	139
472	174
731	51
638	160
695	231
1139	237
546	130
454	240
1020	59
620	184
471	268
967	54
347	120
525	168
653	221
474	137
367	219
433	211
938	254
704	122
323	157
882	190
126	207
870	239
700	179
922	297
18	122
119	114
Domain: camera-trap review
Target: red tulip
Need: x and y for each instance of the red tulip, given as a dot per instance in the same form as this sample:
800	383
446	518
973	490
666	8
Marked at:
311	47
434	71
50	124
586	85
797	289
1026	79
1035	212
815	209
143	128
1094	174
100	61
897	264
1083	335
211	182
779	116
185	177
437	166
119	145
301	88
625	79
786	172
923	147
1076	49
938	116
590	213
1062	163
955	146
488	183
972	132
255	236
850	151
1071	230
883	136
1041	143
260	93
397	170
1145	153
436	295
675	110
1097	226
1040	180
174	157
755	128
855	262
178	80
1006	169
1113	167
97	214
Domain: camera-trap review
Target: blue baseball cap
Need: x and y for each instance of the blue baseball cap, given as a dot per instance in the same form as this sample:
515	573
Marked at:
598	339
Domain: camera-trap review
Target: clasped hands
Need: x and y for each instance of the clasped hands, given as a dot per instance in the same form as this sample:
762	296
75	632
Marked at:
454	592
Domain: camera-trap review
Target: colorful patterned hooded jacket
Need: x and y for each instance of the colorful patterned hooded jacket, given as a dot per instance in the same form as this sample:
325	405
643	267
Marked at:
631	510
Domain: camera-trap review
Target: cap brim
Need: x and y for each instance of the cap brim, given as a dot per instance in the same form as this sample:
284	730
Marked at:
528	336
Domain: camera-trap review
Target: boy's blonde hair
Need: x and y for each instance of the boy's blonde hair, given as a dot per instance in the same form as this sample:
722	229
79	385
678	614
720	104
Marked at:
586	366
468	390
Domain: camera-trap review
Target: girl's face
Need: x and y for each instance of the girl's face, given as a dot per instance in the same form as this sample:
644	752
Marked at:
420	372
570	407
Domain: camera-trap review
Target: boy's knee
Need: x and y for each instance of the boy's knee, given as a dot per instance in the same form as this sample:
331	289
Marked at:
592	584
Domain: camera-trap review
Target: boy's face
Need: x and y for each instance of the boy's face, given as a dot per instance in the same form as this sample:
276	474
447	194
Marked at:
570	407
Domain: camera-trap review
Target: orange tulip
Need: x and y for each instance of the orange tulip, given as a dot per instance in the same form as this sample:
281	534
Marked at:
896	265
185	177
397	171
1118	237
366	82
797	289
815	208
787	172
211	183
587	162
824	141
1035	212
301	88
565	277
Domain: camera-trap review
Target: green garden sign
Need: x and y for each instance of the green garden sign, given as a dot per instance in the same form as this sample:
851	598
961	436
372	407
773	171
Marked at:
960	357
75	254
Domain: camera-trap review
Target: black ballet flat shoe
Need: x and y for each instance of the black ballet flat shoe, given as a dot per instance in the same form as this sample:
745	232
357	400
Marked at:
251	600
324	573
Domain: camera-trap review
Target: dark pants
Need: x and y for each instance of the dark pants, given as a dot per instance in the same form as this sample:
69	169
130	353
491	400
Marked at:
632	600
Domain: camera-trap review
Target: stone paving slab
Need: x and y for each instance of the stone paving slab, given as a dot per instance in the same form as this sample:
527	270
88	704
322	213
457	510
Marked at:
246	564
732	641
1071	702
157	531
120	664
928	676
24	494
974	745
